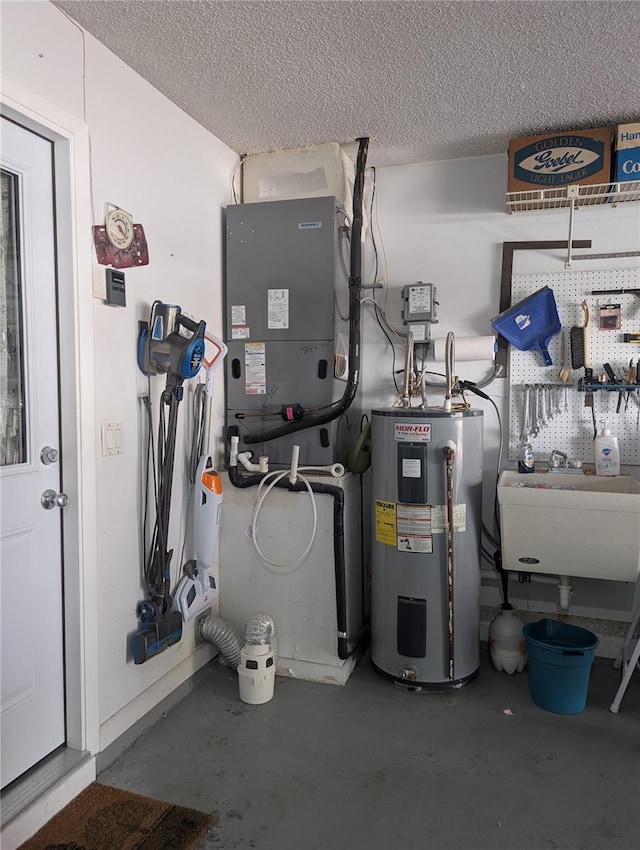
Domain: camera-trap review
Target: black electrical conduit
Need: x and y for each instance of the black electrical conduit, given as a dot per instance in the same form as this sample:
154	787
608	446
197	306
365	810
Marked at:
355	289
346	646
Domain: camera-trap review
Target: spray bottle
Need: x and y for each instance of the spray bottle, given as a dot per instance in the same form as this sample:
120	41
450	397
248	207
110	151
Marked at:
607	452
526	461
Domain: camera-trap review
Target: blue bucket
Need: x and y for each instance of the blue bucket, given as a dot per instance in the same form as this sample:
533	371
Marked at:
531	323
560	659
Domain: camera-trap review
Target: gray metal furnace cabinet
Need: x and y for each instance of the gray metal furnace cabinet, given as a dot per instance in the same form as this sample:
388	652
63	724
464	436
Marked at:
283	266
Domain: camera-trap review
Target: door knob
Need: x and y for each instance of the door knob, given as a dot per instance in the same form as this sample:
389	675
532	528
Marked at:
49	455
50	499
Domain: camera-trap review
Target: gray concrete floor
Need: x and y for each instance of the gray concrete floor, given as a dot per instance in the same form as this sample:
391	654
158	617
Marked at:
368	766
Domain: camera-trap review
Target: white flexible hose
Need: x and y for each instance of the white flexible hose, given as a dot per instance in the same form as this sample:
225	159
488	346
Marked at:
253	528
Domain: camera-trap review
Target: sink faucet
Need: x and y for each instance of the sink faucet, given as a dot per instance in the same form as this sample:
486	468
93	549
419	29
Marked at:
557	460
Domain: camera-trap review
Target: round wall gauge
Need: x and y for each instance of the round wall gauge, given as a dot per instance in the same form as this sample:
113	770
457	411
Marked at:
119	228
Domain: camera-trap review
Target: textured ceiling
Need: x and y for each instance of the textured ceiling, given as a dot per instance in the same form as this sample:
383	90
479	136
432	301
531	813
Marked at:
425	80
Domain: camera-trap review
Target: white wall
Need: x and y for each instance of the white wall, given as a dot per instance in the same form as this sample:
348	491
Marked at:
148	157
445	223
152	160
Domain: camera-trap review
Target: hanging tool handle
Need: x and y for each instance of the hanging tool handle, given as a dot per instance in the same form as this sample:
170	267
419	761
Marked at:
585	336
191	325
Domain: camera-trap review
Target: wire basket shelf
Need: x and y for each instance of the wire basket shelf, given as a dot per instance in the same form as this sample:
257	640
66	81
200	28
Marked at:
573	196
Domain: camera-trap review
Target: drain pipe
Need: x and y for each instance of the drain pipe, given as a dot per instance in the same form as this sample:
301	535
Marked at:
566	592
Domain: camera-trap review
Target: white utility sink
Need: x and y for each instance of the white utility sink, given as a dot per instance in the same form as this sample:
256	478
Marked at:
570	525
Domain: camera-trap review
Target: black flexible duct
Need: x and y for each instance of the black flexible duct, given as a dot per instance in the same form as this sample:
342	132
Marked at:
504	578
346	646
355	285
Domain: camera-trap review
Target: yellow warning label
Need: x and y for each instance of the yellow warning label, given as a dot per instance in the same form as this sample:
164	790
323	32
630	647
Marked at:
386	522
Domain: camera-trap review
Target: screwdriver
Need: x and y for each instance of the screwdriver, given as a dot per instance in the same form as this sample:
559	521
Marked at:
612	377
631	378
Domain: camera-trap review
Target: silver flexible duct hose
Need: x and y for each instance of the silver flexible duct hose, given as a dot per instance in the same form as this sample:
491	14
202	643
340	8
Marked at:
261	629
220	633
450	368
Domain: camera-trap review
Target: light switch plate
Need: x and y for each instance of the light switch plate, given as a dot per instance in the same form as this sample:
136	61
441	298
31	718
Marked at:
112	435
99	282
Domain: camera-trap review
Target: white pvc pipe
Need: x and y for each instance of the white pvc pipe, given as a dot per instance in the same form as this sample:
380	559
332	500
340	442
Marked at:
295	457
334	469
243	457
233	452
566	592
562	583
536	578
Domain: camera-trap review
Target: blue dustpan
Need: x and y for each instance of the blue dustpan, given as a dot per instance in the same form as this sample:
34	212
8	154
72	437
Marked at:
531	323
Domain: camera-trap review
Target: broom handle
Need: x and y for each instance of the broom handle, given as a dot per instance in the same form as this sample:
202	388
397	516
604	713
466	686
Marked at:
585	335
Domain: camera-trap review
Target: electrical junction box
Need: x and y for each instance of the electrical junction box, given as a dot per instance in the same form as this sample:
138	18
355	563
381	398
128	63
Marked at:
286	268
627	161
419	309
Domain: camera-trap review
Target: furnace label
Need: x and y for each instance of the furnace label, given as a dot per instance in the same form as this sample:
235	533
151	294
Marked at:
277	309
255	368
241	333
386	522
239	315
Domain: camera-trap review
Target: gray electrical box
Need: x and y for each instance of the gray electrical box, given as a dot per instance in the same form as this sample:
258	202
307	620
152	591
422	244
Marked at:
284	262
419	309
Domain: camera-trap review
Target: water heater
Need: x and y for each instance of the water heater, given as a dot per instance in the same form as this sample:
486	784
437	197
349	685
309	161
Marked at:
427	516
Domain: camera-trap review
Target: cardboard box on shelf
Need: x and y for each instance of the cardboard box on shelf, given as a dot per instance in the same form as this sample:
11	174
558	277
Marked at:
627	159
557	160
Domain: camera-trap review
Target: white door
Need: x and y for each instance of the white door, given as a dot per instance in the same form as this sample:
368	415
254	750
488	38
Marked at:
32	722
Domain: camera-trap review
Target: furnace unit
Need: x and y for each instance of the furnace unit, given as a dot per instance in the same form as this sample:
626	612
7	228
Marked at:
286	268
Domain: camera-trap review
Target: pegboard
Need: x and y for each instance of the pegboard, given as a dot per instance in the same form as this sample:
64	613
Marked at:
570	428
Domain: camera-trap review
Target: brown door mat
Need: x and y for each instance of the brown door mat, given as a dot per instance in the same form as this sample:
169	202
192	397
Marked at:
106	818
